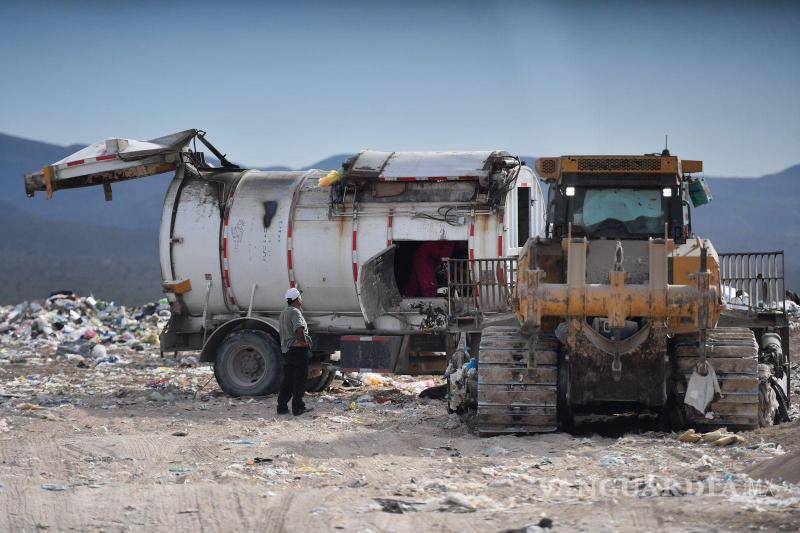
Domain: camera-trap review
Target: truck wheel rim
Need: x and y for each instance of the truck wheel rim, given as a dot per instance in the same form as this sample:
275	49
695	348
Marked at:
247	366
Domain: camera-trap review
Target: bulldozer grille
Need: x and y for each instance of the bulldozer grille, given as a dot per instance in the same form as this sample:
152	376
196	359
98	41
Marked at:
548	166
753	280
619	164
480	286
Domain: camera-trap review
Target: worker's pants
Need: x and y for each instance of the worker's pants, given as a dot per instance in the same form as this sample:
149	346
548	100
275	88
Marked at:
295	372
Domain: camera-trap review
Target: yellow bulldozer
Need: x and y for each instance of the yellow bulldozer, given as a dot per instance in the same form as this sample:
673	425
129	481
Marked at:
621	307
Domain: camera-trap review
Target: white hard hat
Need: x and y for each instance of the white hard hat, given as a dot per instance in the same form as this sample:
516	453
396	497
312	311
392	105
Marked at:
292	294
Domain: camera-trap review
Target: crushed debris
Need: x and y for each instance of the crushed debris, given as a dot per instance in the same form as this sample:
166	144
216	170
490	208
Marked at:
79	329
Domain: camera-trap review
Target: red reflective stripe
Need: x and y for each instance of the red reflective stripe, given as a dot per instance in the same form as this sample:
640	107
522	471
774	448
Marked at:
355	240
106	157
437	178
227	280
500	246
292	284
73	163
471	254
406	179
523	186
225	247
472	230
361	338
289	258
355	271
465	178
289	230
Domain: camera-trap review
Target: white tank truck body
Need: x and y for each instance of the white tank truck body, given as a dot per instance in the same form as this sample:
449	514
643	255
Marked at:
232	241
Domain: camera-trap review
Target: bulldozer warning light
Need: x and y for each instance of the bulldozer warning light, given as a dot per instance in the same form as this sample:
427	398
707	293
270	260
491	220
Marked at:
570	191
667	192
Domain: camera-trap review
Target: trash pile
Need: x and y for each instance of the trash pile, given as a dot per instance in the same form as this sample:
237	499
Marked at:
81	328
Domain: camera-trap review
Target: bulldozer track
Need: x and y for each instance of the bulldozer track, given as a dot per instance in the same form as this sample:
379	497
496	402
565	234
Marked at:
517	382
733	352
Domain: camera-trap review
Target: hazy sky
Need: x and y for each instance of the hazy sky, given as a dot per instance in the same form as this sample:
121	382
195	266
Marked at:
291	84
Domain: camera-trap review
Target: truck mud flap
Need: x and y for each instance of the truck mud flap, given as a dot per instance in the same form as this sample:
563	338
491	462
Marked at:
369	354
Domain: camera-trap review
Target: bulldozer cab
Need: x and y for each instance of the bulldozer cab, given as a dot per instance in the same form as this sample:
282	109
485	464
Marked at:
619	197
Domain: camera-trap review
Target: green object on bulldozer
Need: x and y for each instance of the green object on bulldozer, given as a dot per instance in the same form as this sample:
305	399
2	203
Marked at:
699	192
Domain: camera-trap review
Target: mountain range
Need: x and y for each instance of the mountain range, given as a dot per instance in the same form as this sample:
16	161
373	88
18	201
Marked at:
79	241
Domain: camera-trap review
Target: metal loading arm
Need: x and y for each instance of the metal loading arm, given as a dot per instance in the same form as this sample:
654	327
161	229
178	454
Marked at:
111	161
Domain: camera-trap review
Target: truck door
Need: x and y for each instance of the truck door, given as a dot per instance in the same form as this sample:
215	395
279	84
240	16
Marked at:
377	288
109	161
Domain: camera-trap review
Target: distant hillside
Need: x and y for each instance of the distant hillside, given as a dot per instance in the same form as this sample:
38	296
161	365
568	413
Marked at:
40	256
81	242
755	215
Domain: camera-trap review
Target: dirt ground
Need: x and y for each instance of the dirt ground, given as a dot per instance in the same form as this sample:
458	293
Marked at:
148	445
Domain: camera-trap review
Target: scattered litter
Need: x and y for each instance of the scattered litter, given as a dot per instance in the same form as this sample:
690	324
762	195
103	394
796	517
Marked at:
55	488
437	392
458	503
610	460
719	437
397	506
159	397
29	407
690	436
493	451
373	380
453	421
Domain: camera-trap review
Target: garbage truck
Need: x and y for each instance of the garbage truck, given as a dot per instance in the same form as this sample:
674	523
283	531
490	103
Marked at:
621	307
398	254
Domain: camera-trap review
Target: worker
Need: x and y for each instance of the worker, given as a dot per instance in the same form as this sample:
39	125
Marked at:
296	348
427	258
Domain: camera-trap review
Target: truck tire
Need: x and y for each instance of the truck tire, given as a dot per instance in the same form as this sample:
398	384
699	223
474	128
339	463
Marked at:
248	363
321	382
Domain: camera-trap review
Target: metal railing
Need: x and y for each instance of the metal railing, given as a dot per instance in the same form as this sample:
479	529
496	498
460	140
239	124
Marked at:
480	286
753	280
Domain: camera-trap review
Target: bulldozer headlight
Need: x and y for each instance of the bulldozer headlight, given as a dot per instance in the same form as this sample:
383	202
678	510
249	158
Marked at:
570	191
667	192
